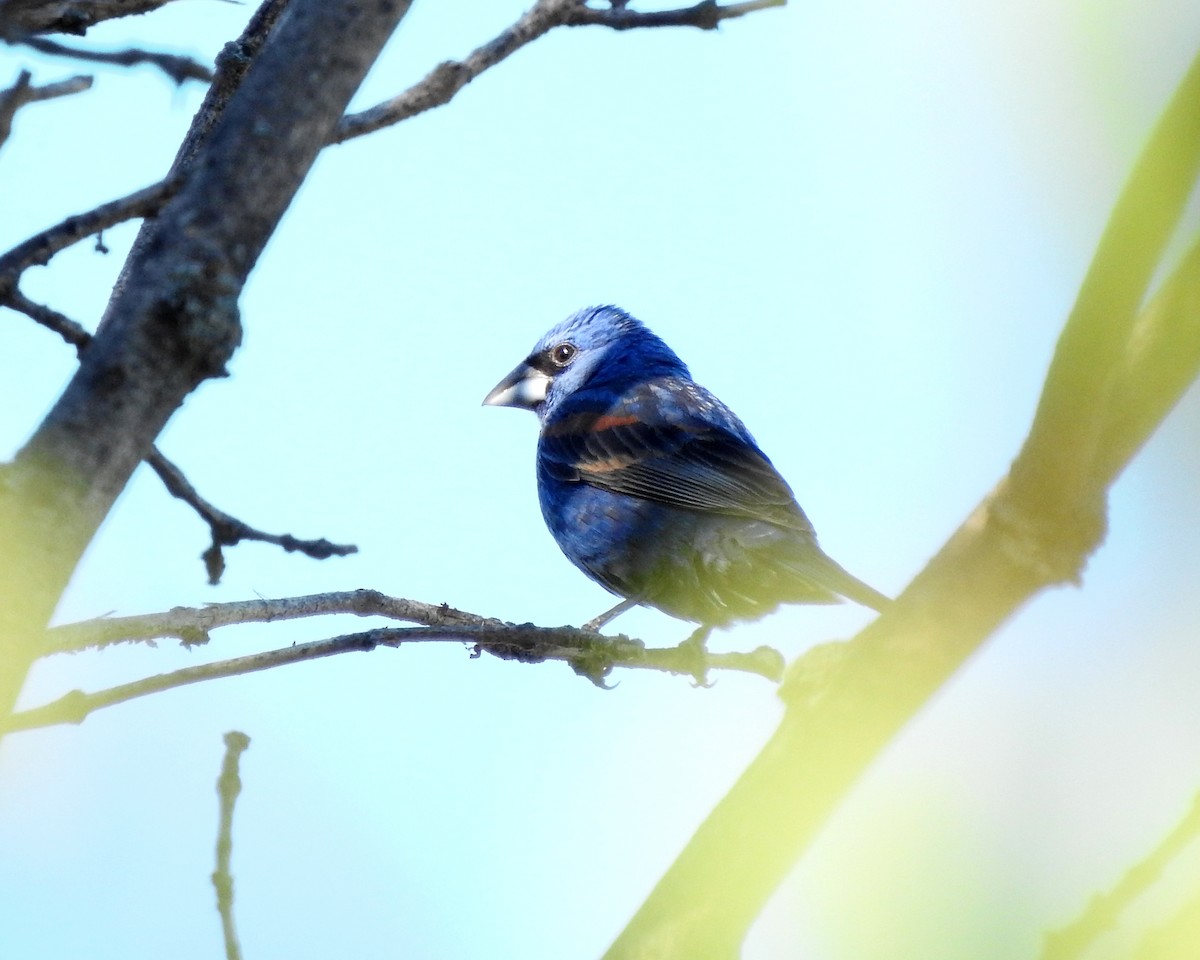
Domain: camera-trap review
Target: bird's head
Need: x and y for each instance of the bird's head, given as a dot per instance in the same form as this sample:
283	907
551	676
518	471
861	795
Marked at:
598	347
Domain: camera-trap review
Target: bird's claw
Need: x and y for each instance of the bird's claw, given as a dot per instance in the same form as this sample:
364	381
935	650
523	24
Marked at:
597	673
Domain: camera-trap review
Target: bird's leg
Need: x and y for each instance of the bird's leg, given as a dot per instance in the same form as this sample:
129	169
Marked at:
597	622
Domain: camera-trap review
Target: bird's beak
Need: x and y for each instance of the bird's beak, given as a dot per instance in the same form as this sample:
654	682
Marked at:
525	387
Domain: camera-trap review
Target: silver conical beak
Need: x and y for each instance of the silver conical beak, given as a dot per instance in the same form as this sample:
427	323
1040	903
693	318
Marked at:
525	387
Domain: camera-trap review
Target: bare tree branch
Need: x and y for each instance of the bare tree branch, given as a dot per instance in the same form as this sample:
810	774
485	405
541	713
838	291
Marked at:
228	531
1059	481
589	654
192	625
232	64
173	320
175	66
64	326
20	18
1161	363
1174	938
38	250
23	92
447	79
706	15
1072	941
845	702
229	785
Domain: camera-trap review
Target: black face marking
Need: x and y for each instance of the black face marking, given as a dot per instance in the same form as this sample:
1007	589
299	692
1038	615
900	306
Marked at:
551	361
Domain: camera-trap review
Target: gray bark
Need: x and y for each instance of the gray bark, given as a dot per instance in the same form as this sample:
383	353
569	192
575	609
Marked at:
173	320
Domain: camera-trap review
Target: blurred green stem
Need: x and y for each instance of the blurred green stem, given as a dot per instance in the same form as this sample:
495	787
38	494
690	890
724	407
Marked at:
1111	382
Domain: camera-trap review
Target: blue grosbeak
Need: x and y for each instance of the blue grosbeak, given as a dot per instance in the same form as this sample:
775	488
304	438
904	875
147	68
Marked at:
655	489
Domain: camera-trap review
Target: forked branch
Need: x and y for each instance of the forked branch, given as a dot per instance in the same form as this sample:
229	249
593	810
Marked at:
446	79
589	654
1102	399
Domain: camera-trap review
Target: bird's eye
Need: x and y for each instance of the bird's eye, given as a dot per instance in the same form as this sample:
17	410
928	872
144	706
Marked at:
563	354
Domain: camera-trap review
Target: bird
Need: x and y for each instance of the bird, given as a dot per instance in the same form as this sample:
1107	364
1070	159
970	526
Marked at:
655	489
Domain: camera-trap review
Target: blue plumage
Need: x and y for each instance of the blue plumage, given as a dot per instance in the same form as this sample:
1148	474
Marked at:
655	489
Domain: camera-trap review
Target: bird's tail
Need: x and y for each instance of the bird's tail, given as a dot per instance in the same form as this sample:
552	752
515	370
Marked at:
816	567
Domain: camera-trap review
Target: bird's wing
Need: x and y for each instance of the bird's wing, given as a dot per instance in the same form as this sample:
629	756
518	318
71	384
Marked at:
662	448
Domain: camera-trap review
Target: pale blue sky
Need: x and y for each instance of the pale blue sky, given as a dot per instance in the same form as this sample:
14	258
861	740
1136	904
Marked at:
861	224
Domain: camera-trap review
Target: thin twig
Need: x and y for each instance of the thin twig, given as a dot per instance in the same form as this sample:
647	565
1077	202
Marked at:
229	785
23	92
589	654
192	625
75	16
447	79
706	15
175	66
1073	940
38	250
64	326
225	529
228	531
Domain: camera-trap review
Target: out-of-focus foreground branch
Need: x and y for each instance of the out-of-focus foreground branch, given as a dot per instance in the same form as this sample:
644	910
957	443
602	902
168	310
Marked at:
1115	375
229	785
1072	941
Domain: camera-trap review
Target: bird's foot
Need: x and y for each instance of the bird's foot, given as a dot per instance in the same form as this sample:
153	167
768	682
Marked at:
695	650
